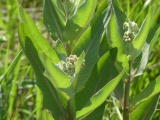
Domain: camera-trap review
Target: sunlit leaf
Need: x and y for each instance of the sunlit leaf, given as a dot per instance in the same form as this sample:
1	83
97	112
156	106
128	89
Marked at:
79	63
60	50
116	42
58	78
52	100
37	36
77	23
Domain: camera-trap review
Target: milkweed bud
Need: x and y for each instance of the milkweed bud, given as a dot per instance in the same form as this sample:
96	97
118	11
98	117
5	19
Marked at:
69	66
131	30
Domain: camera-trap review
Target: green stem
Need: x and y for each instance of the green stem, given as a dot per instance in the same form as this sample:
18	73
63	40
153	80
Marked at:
126	95
71	109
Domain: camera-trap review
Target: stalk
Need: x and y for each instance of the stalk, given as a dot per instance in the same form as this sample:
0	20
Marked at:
71	109
126	95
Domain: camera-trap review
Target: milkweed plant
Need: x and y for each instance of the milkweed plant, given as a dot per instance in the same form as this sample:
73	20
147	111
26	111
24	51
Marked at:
97	54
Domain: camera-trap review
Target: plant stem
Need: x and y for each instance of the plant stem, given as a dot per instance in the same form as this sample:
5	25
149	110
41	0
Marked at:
71	109
126	95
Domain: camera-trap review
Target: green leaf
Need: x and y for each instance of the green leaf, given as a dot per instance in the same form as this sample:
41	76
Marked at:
12	66
119	16
58	6
90	42
154	40
151	90
97	114
116	42
58	78
47	116
60	50
77	23
140	39
52	20
52	100
145	110
103	72
141	61
98	98
37	36
80	62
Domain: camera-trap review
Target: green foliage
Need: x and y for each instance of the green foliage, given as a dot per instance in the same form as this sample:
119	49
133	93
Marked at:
91	72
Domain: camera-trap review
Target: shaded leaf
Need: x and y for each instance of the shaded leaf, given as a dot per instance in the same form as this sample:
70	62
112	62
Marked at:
97	114
90	42
145	110
98	98
52	20
151	90
119	16
102	73
140	39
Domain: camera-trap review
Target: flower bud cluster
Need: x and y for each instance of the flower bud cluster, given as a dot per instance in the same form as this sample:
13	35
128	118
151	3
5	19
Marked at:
131	30
69	66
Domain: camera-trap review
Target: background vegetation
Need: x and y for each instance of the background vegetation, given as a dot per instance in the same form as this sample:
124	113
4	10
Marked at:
20	98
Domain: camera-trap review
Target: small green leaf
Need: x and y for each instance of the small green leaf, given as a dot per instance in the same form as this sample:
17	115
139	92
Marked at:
58	78
98	98
47	116
145	110
79	63
151	90
60	50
